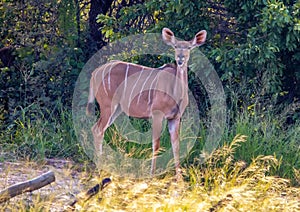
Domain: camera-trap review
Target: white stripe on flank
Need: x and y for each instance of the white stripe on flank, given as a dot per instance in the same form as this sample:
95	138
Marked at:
138	80
103	77
126	75
143	87
149	97
175	86
109	74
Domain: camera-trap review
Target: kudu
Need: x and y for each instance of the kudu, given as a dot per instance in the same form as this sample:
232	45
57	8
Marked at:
144	92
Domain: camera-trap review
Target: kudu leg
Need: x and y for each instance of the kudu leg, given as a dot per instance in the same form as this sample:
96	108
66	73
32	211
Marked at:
156	132
106	119
174	127
98	133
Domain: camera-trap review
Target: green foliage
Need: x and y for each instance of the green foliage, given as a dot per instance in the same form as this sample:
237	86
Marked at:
66	21
152	16
266	45
45	58
251	41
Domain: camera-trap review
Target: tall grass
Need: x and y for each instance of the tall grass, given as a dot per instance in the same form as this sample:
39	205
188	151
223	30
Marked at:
268	134
222	183
36	135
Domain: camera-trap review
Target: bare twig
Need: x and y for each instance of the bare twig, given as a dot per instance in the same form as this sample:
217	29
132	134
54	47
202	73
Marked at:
88	194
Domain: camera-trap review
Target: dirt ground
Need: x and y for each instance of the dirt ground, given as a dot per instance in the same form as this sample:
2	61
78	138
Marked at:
70	180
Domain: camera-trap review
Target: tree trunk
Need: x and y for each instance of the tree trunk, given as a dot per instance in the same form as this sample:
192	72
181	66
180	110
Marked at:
97	7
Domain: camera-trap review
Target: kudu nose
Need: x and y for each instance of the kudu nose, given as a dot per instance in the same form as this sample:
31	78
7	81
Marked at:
180	60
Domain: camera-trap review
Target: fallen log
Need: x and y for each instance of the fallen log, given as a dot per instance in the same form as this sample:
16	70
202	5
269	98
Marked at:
27	186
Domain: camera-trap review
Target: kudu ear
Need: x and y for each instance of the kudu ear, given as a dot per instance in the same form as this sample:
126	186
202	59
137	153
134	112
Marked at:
168	36
199	38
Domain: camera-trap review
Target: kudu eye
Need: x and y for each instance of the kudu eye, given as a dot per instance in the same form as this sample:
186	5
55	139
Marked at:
179	57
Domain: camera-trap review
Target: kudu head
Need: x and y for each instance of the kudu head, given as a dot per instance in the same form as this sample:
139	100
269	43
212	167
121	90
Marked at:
183	48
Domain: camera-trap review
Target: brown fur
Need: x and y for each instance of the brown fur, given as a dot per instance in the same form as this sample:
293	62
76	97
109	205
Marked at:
145	92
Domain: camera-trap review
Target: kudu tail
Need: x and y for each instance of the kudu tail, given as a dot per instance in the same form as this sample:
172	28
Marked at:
90	105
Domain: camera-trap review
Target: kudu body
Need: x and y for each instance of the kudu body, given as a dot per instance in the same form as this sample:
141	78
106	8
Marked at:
143	92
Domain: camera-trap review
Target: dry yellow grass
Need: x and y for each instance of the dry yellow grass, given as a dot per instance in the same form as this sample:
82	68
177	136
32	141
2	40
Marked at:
221	184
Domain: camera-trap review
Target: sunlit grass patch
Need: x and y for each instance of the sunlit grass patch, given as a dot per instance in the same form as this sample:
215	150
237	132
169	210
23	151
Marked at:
220	184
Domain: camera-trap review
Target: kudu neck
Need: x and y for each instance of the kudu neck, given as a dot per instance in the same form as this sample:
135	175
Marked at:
182	72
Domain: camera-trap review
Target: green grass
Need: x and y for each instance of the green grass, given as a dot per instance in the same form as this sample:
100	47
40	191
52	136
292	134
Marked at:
268	135
36	135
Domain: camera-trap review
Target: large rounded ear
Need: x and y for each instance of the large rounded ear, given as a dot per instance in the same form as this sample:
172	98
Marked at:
168	36
199	38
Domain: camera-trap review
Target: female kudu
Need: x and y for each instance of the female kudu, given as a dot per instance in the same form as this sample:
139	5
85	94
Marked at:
144	92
